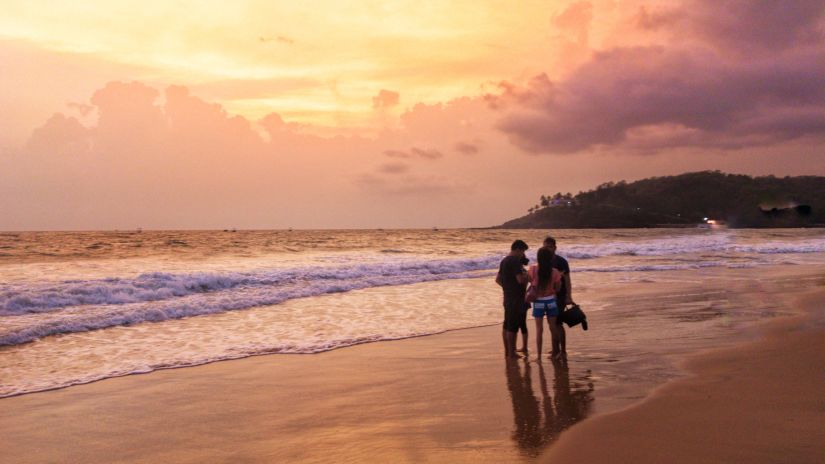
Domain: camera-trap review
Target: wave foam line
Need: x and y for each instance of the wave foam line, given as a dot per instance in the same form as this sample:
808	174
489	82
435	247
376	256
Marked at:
156	286
28	327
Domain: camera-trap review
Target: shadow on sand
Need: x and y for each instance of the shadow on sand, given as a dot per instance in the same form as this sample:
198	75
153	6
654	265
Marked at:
539	416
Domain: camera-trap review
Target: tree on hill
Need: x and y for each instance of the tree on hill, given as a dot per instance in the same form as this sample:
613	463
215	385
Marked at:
685	200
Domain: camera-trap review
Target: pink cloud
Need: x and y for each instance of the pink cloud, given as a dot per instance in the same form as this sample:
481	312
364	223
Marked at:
716	99
60	136
385	99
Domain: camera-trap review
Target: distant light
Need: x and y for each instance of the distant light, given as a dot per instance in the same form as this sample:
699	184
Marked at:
704	219
711	221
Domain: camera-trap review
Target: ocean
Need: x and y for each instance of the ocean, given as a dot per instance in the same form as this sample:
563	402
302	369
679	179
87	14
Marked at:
77	307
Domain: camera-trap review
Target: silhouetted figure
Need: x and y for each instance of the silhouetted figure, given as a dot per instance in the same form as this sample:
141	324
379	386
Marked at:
512	277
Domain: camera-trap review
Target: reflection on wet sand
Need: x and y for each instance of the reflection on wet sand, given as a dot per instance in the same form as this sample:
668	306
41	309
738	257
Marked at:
539	416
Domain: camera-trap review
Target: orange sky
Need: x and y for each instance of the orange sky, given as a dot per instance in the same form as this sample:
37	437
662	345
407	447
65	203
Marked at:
243	138
313	62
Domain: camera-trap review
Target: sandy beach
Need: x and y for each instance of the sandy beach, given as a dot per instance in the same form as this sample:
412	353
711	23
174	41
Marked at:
450	398
757	403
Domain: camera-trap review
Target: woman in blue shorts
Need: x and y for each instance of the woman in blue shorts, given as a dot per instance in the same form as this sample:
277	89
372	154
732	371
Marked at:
545	282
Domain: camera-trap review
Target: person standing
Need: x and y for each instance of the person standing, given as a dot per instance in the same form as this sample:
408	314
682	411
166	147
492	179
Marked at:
564	297
512	277
545	281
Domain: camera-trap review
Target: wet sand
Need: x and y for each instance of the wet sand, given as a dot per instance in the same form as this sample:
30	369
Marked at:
439	398
758	403
442	398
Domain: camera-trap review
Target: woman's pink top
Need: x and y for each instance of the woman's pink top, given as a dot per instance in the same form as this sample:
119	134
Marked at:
555	281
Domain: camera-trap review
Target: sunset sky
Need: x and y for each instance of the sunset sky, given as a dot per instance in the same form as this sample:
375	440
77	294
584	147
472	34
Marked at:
263	114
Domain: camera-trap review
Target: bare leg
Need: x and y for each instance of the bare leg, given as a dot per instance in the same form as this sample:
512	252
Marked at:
539	335
562	340
554	336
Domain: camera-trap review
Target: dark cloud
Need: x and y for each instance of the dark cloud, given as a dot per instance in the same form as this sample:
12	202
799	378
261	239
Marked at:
426	153
466	148
750	26
415	152
652	19
393	168
385	99
692	95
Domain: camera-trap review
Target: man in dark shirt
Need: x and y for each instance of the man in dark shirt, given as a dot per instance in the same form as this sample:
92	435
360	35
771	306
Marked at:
512	277
564	296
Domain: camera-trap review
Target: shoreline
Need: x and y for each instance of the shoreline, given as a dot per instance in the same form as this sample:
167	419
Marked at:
745	402
245	356
441	397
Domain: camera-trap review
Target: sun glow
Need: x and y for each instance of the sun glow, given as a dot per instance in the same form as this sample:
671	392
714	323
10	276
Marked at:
426	51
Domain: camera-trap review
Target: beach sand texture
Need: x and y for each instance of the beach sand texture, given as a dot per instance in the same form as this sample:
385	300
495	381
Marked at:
451	398
758	403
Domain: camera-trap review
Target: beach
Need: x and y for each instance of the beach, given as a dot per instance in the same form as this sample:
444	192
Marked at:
748	390
758	403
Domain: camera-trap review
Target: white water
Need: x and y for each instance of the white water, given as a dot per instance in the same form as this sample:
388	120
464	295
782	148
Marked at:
72	312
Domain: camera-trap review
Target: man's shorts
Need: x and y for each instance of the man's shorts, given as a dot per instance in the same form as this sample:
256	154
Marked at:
545	307
513	314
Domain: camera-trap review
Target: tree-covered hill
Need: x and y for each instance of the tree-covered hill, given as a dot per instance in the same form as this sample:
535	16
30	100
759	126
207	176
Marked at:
683	201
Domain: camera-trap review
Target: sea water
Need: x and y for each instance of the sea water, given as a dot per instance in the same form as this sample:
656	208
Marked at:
76	307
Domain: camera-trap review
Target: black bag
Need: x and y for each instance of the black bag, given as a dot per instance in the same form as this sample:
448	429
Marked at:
574	316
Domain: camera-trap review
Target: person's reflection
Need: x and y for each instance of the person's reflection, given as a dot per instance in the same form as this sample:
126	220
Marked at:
540	420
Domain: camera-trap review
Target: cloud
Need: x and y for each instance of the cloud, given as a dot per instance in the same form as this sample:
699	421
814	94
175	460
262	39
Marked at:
397	154
414	152
431	154
393	168
277	38
699	95
466	148
575	17
81	108
749	26
167	158
60	136
412	184
385	99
